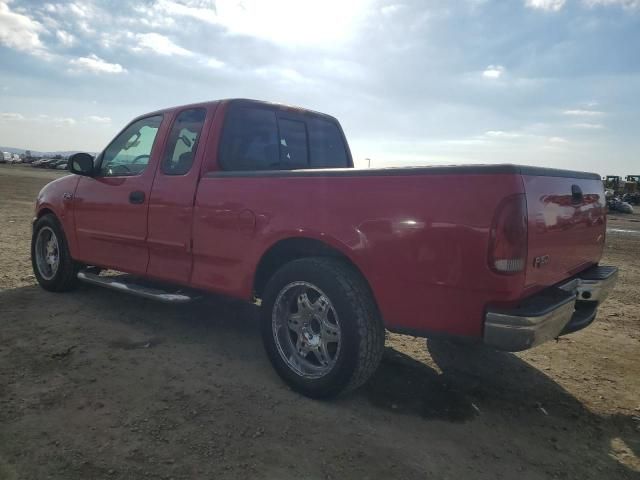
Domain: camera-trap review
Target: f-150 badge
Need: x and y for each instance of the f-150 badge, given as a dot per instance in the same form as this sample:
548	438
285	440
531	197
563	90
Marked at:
541	261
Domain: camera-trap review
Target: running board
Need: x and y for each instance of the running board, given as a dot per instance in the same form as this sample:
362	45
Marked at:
123	283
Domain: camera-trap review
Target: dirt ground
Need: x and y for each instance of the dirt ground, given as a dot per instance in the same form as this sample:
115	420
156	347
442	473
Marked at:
97	384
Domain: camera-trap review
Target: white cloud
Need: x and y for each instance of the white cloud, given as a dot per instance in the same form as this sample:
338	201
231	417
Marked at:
95	64
201	10
288	22
390	9
11	116
588	126
212	62
80	10
558	140
64	121
583	113
502	134
65	38
97	119
547	5
493	72
628	4
557	5
159	44
20	32
281	74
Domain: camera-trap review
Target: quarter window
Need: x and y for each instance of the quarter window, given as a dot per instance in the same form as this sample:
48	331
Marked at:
183	142
130	152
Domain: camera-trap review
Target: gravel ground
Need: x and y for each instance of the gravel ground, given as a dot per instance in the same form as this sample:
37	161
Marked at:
96	384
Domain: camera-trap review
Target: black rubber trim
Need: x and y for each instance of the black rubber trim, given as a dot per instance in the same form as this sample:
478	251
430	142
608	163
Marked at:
584	316
433	334
405	171
599	272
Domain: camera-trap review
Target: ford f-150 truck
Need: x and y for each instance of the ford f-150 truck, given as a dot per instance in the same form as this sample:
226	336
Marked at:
261	202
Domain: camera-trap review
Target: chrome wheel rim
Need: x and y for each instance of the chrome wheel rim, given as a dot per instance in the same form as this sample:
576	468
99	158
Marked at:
306	329
47	252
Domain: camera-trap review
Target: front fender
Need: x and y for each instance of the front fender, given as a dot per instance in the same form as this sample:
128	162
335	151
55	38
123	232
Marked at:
57	198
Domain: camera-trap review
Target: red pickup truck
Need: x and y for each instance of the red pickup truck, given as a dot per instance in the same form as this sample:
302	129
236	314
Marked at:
261	202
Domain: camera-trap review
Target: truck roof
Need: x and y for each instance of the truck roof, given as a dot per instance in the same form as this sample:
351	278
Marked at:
244	102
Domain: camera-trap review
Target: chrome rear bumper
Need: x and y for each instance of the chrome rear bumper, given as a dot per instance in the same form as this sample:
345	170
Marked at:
555	311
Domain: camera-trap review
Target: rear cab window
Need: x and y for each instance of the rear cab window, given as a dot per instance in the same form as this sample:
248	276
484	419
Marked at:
256	137
293	144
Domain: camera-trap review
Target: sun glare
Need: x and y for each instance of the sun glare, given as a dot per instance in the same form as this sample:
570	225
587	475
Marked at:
295	22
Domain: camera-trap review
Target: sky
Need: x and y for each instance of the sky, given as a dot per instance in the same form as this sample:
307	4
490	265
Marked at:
413	82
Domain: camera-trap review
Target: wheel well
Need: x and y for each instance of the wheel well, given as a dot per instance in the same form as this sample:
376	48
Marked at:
292	249
45	211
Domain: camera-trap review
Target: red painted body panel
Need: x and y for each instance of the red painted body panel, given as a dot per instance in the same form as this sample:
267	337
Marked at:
170	215
420	252
421	240
570	232
111	231
52	198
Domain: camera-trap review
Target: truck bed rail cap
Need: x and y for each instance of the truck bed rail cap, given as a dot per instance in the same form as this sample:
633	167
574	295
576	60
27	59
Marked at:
482	169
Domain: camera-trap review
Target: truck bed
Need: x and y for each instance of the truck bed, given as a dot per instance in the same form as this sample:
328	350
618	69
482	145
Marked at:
419	235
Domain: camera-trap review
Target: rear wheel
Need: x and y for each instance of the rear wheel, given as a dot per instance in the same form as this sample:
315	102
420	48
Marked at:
320	326
52	264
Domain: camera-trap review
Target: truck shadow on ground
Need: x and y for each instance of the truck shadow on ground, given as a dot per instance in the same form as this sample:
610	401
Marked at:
461	384
471	379
474	381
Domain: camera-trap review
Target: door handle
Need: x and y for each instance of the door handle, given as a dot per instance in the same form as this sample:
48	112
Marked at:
136	197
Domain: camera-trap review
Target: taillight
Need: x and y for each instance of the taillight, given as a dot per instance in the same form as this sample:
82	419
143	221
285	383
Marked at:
508	236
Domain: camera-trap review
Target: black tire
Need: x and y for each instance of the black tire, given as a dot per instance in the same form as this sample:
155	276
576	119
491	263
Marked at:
65	278
362	330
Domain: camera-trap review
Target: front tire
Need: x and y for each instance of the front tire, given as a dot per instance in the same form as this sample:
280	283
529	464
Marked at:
321	327
52	264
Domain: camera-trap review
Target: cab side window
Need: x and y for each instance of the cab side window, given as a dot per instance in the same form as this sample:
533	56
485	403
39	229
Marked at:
130	152
183	142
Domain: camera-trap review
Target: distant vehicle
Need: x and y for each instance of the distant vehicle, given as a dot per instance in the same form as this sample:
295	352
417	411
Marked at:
5	157
618	205
612	182
261	202
54	164
632	190
64	165
45	162
11	158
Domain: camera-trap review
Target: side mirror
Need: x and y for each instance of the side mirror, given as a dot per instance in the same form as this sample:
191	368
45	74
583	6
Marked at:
81	164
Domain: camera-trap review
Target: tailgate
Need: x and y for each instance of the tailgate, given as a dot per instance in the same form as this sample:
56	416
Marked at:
567	223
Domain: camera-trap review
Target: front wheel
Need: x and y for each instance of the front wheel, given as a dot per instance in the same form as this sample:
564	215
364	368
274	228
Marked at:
321	327
52	264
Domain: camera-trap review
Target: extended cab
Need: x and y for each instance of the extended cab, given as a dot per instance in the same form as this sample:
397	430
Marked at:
261	202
